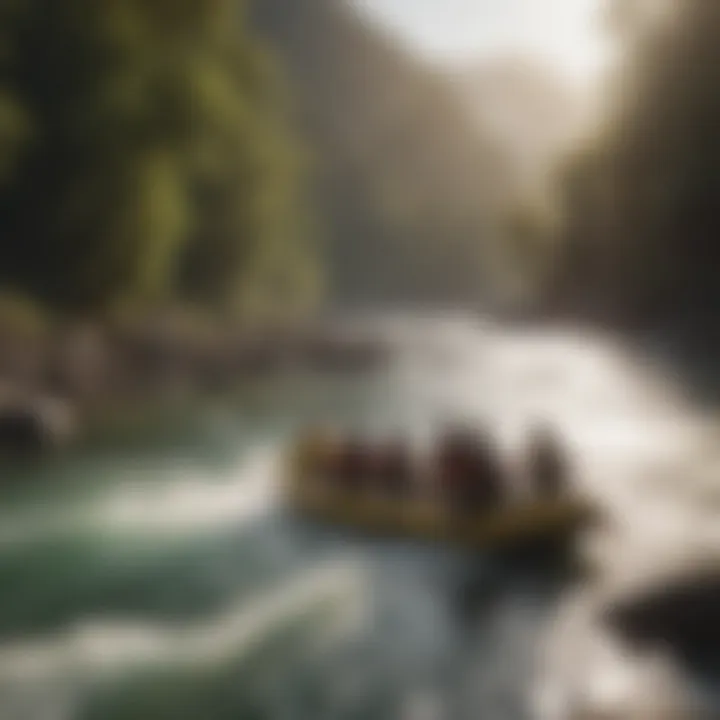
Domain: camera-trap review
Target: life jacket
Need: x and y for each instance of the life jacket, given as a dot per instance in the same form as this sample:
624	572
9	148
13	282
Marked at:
453	463
393	468
353	464
469	473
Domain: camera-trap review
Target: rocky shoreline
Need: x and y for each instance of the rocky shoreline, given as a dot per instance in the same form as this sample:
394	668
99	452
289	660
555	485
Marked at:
57	382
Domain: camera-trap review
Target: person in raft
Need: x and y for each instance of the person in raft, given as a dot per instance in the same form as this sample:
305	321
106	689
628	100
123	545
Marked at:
352	466
547	465
470	473
393	469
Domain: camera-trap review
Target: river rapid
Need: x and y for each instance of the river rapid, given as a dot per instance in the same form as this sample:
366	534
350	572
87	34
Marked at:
160	577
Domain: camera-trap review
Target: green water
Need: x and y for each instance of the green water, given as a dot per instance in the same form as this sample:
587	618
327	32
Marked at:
155	575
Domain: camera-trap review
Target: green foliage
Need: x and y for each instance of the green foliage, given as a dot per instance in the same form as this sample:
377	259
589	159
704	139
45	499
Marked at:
144	152
14	133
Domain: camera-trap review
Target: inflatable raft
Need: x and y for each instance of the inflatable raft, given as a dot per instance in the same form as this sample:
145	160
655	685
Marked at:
513	525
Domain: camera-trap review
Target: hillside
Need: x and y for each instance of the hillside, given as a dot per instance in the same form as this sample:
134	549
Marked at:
409	186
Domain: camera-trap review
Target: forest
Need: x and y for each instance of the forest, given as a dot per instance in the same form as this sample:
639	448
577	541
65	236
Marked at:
280	155
146	157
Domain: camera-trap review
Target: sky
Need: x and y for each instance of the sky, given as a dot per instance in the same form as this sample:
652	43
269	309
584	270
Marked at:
563	34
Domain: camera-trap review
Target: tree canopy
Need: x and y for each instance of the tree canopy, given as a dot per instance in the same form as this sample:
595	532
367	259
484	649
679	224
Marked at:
145	154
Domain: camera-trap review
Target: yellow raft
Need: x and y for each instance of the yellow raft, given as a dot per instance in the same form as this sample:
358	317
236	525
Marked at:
517	524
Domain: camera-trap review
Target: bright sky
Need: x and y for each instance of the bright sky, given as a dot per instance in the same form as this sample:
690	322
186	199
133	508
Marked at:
563	33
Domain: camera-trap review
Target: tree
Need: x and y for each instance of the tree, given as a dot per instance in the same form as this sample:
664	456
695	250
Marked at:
158	139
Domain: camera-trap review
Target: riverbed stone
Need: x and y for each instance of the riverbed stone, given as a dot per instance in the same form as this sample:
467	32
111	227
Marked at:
679	610
36	426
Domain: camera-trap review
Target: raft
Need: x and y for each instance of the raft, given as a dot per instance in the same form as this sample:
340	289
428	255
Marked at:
514	525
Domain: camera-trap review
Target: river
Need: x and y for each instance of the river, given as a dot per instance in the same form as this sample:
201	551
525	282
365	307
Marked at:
160	577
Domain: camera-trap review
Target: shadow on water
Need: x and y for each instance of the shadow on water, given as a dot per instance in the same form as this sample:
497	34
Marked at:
542	572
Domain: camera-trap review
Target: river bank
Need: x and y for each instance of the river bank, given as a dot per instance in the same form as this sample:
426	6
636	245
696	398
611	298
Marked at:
61	380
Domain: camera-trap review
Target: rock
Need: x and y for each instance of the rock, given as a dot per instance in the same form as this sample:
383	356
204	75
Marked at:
680	611
79	363
33	427
331	352
587	671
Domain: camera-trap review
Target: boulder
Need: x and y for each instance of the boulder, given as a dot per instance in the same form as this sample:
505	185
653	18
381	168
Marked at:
33	427
680	611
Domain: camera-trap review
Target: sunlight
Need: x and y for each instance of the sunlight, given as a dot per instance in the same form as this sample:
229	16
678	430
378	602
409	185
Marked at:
565	34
